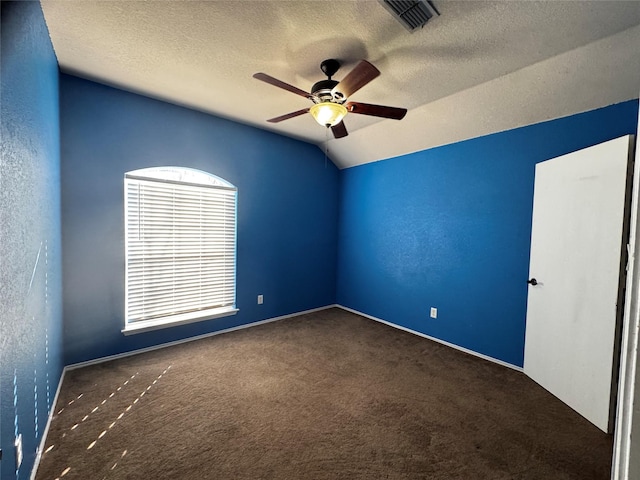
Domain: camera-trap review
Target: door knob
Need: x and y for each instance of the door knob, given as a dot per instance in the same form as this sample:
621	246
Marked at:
533	281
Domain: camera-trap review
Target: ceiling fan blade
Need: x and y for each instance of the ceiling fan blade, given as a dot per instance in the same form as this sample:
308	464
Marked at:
288	116
357	78
376	110
339	130
279	83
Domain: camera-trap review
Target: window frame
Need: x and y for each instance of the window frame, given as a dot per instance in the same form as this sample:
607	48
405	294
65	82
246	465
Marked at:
183	177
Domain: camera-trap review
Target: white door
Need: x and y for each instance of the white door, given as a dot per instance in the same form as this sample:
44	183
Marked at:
576	246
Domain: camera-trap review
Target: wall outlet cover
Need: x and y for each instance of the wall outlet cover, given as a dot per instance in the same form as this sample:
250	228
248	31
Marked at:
434	312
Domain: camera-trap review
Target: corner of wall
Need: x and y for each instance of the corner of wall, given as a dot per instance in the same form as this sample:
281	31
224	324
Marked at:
30	227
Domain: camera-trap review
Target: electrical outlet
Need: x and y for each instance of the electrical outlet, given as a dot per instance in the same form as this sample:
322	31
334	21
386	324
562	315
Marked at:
260	299
18	451
434	312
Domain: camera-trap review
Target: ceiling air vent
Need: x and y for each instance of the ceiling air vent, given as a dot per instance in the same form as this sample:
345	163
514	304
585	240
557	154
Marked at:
412	14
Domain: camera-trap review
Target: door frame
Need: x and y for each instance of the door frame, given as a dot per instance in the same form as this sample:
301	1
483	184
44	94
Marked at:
628	373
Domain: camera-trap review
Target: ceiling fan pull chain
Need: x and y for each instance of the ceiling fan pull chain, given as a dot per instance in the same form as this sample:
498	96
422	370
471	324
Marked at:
326	145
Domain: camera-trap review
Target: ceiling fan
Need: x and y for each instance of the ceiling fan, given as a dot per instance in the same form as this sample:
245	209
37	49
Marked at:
330	97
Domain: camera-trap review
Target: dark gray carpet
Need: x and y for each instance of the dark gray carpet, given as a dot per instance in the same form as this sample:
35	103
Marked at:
328	395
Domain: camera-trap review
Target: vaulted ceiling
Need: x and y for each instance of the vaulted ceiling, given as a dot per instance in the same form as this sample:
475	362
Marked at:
478	68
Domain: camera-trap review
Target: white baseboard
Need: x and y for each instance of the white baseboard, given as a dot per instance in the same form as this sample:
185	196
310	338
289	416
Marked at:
443	342
36	462
191	339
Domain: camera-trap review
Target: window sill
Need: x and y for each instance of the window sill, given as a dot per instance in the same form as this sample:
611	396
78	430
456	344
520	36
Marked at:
175	320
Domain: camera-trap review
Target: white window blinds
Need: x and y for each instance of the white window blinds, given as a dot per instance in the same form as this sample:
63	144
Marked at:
180	246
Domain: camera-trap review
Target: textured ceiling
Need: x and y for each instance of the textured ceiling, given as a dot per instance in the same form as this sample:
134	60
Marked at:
478	68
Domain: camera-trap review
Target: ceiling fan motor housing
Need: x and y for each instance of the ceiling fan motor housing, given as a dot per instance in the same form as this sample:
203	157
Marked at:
321	92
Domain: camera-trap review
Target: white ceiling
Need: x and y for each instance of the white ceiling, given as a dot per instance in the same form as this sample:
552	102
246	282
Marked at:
478	68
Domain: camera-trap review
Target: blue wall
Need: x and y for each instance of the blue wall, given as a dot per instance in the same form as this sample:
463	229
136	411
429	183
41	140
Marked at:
447	227
30	273
450	227
287	211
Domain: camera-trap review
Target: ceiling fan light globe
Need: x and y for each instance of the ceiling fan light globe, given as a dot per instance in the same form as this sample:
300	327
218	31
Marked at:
328	114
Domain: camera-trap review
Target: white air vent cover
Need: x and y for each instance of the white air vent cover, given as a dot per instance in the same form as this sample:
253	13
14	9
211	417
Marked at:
412	14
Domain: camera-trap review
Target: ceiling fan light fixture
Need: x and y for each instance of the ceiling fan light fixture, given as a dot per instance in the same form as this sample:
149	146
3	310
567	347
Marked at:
328	114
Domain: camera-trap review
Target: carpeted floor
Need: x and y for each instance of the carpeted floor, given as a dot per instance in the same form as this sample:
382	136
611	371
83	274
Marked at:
329	395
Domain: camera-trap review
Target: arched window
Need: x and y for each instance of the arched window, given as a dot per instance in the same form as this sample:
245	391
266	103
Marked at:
180	237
